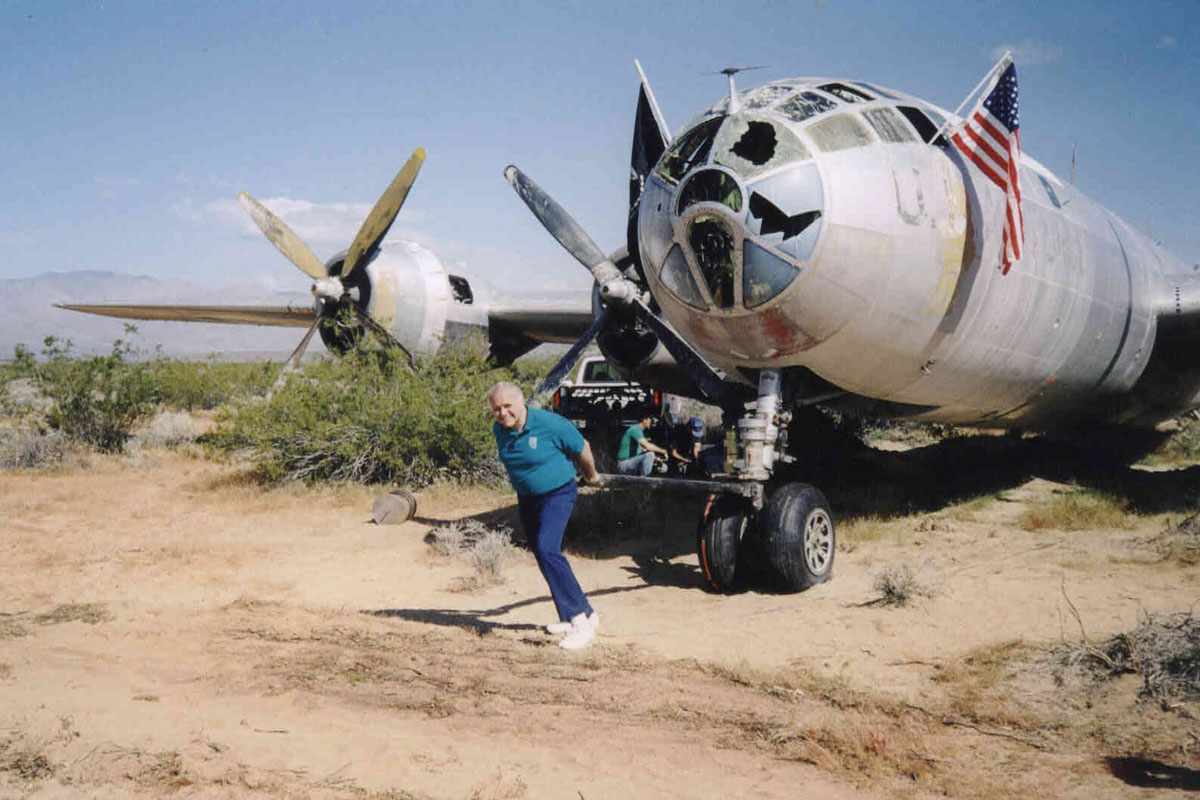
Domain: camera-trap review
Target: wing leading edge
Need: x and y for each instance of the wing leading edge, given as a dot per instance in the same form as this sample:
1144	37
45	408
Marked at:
279	316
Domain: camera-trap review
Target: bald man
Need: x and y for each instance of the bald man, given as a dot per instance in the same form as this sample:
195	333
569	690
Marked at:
539	450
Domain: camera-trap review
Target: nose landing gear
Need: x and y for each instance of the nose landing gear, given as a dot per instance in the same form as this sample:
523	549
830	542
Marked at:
791	536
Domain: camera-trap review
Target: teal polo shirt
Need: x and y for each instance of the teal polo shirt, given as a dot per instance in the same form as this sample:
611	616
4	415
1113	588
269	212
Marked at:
537	457
629	447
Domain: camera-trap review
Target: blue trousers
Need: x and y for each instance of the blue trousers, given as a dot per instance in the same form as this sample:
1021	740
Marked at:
544	518
641	464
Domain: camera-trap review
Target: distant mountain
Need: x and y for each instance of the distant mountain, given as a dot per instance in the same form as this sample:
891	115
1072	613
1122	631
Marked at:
29	315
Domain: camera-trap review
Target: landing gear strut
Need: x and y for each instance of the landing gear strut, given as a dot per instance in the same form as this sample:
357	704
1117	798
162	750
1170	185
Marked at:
792	531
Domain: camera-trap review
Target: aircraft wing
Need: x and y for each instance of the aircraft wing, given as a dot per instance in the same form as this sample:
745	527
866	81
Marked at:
281	316
517	326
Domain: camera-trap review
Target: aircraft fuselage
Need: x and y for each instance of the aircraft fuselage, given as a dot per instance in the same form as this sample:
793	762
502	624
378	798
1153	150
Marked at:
814	227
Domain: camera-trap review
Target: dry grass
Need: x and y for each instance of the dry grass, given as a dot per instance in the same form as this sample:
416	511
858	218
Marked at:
23	448
242	489
857	531
11	627
1180	542
897	586
487	550
1077	510
452	497
169	429
90	613
25	762
970	510
977	685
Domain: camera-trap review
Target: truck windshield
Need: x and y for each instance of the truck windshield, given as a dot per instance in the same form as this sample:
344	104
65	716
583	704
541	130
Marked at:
600	372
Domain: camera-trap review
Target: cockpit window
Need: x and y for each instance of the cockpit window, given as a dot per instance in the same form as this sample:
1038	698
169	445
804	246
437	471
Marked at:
749	145
846	93
678	278
924	125
764	274
764	96
805	105
888	125
711	186
839	132
690	149
712	245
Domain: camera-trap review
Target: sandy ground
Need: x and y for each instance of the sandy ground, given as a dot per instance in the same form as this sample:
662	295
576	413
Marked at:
168	627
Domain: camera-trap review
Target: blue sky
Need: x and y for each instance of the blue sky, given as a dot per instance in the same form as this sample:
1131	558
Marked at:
132	126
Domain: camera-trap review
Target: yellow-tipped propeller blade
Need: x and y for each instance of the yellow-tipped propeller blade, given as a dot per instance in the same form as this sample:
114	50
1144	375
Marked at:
377	223
284	239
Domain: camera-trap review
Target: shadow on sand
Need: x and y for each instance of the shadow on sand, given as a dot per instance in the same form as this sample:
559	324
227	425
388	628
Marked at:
654	528
1153	774
481	620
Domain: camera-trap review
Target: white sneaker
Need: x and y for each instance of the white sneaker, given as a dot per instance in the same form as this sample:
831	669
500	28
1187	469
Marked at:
582	634
560	628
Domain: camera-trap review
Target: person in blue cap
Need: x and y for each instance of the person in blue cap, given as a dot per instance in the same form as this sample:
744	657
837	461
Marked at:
539	450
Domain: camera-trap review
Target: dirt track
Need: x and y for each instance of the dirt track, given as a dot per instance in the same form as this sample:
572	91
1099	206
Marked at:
170	628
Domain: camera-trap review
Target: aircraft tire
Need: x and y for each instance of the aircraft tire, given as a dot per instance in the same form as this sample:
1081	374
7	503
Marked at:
726	522
797	537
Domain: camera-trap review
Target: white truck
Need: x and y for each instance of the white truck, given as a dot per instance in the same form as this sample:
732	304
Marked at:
602	404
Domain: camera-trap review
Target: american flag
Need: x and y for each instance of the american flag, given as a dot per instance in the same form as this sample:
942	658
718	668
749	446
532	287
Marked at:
992	140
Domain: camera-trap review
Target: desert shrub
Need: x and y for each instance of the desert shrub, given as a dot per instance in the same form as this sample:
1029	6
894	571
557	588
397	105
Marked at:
20	397
1184	444
366	418
897	586
485	549
28	448
1077	511
169	429
191	385
95	400
1163	649
1181	542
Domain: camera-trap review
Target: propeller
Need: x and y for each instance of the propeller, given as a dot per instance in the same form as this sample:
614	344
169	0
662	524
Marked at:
617	292
331	291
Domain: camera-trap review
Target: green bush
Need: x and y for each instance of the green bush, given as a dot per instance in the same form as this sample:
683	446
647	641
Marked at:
366	418
191	385
95	400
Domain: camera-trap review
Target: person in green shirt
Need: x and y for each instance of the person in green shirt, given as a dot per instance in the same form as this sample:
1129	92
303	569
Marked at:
540	450
635	454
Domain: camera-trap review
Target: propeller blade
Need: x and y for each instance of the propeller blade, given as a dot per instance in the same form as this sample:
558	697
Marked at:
287	242
380	220
562	226
565	364
293	361
716	390
298	353
384	334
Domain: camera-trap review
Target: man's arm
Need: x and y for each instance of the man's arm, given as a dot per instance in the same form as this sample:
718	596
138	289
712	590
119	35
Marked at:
587	464
646	444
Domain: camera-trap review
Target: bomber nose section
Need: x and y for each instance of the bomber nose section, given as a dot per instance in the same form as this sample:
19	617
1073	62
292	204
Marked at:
733	212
